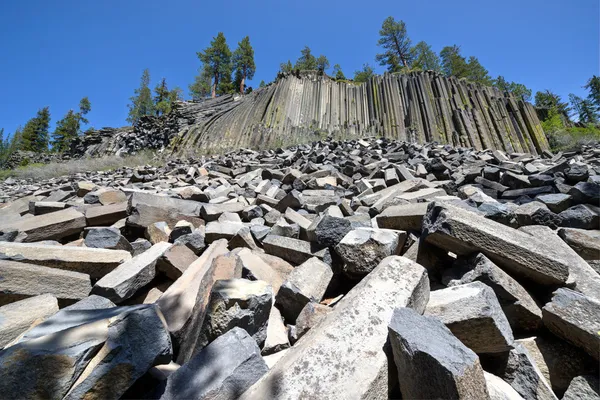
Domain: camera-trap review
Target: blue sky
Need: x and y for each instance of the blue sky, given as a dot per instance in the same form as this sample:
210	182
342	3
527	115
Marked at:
55	52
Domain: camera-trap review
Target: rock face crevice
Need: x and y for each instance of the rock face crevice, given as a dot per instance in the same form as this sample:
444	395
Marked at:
301	107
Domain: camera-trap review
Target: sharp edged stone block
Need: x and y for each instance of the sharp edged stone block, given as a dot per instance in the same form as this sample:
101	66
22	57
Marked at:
583	387
362	249
237	302
16	318
463	232
575	318
307	282
474	316
346	356
129	277
520	308
223	370
435	365
21	280
53	226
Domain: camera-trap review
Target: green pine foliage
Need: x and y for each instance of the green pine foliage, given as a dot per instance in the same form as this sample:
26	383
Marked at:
243	63
201	88
262	84
216	59
165	98
593	85
307	60
286	66
142	102
69	127
35	135
453	63
322	63
396	44
337	73
425	59
584	110
364	74
477	73
518	89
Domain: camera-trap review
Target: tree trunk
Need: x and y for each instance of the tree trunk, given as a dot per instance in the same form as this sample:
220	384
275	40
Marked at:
214	86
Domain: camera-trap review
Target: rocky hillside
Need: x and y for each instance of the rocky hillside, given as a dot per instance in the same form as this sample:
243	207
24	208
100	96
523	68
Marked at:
337	270
417	108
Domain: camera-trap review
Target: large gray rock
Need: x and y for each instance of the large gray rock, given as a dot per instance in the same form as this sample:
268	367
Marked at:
237	302
362	249
96	360
583	242
520	371
22	280
277	338
435	365
94	262
106	215
16	318
583	387
222	370
307	282
575	318
352	338
403	217
463	232
499	389
106	238
53	226
474	316
294	250
520	308
254	267
558	361
80	313
310	316
582	276
131	276
184	303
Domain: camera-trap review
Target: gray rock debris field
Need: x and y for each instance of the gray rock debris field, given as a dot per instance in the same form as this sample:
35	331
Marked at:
337	270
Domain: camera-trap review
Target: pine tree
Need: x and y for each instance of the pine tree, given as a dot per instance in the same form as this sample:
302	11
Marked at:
337	72
69	127
549	100
35	134
518	89
141	103
364	74
593	85
425	58
453	63
584	109
262	84
286	67
322	63
306	62
16	141
201	88
397	45
165	98
243	62
217	60
477	73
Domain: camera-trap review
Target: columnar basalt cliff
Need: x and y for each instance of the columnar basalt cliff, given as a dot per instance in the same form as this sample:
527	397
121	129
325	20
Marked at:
300	107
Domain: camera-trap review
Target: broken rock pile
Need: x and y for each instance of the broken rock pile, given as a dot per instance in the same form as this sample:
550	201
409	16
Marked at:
356	269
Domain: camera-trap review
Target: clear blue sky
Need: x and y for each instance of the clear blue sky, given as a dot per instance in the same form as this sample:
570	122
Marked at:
55	52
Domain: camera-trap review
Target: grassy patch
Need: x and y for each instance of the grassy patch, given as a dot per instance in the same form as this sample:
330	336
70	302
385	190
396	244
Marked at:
56	169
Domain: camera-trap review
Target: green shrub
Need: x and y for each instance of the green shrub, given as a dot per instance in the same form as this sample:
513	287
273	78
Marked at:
567	139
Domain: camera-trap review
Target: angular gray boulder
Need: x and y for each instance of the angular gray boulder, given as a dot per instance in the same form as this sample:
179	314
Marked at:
474	316
435	365
352	338
237	302
129	277
18	317
518	305
362	249
222	370
463	232
307	282
575	318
